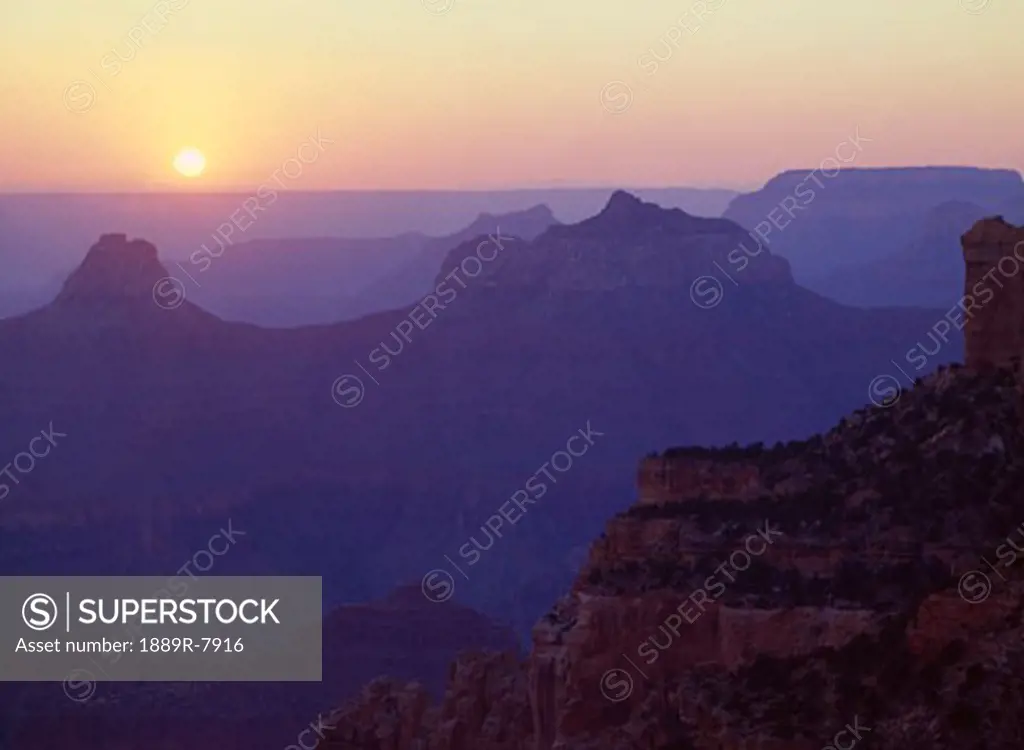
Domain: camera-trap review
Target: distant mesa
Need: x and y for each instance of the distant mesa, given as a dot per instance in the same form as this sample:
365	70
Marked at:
899	188
858	216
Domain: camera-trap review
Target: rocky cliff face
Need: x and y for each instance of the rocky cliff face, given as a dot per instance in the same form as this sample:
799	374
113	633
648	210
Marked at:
865	581
830	580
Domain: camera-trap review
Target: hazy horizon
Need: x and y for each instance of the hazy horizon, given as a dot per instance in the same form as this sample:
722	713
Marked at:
200	190
240	189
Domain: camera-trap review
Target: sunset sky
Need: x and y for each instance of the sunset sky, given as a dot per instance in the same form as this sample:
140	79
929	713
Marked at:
499	93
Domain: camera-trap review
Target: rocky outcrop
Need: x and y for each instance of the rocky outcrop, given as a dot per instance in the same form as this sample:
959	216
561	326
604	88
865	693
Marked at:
671	479
993	302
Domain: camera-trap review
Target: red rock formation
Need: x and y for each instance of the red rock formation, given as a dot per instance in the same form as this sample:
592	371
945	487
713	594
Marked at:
664	479
994	290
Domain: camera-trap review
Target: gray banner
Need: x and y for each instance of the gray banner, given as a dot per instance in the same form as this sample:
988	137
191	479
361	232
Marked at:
133	629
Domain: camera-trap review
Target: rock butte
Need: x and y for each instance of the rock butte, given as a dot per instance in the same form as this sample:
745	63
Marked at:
994	258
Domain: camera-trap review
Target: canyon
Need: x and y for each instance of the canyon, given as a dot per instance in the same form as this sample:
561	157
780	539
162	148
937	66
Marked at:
873	605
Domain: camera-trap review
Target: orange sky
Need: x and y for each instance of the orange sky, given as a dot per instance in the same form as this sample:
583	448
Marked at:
500	93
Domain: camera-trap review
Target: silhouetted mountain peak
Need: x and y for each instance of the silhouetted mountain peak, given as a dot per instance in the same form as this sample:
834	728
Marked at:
622	200
627	217
624	206
115	269
630	243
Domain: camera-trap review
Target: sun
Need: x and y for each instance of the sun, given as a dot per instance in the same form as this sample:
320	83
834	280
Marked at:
190	162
